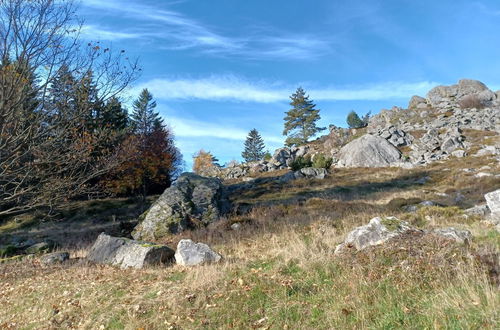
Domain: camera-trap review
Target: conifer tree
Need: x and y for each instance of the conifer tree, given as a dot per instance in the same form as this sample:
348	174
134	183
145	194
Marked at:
354	121
152	158
254	147
144	118
113	115
300	121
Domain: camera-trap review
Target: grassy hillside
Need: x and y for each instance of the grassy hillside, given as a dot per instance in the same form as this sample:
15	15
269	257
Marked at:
279	271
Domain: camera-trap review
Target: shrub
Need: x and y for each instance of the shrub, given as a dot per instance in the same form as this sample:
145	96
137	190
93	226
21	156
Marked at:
471	102
301	162
268	156
321	161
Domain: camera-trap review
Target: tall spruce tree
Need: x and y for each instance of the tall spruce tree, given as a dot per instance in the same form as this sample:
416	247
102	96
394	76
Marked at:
113	115
154	162
254	147
300	121
144	118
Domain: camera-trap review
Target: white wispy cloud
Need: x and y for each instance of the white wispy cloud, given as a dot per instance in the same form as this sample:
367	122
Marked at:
178	32
232	88
188	128
96	32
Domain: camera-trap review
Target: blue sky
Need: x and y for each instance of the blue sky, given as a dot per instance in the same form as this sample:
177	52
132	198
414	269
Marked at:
219	68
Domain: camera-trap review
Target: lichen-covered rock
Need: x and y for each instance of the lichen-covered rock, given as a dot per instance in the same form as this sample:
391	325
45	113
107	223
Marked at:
368	151
192	201
376	232
459	236
127	253
42	247
54	258
190	253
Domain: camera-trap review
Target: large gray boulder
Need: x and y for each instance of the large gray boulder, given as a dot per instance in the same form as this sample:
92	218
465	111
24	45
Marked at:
190	253
368	151
192	201
127	253
376	232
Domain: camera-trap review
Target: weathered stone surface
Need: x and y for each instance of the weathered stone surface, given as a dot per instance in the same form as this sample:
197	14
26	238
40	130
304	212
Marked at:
190	253
368	151
193	200
380	230
493	200
127	253
376	232
479	210
311	173
54	258
417	102
459	236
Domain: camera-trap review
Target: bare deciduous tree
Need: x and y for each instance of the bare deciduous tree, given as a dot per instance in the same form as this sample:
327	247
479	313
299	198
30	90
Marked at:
44	160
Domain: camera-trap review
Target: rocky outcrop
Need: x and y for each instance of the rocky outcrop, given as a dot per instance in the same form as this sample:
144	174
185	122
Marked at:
417	102
435	146
127	253
368	151
192	201
397	137
190	253
311	173
449	96
380	230
376	232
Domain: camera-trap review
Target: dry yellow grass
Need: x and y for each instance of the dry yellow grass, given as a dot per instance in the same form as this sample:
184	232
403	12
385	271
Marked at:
279	271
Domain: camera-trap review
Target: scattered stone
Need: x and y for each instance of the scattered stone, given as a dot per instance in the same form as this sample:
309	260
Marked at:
190	253
125	253
493	200
459	236
369	151
376	232
54	258
311	173
478	210
236	226
482	175
459	153
42	247
192	201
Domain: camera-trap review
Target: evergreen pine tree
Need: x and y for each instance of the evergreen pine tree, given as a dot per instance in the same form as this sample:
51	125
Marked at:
62	96
300	121
254	147
113	115
144	118
353	120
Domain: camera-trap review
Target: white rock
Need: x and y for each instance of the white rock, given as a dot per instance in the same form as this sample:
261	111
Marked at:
190	253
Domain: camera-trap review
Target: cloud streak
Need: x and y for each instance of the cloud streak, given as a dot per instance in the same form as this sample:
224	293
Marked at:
186	128
231	88
178	32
